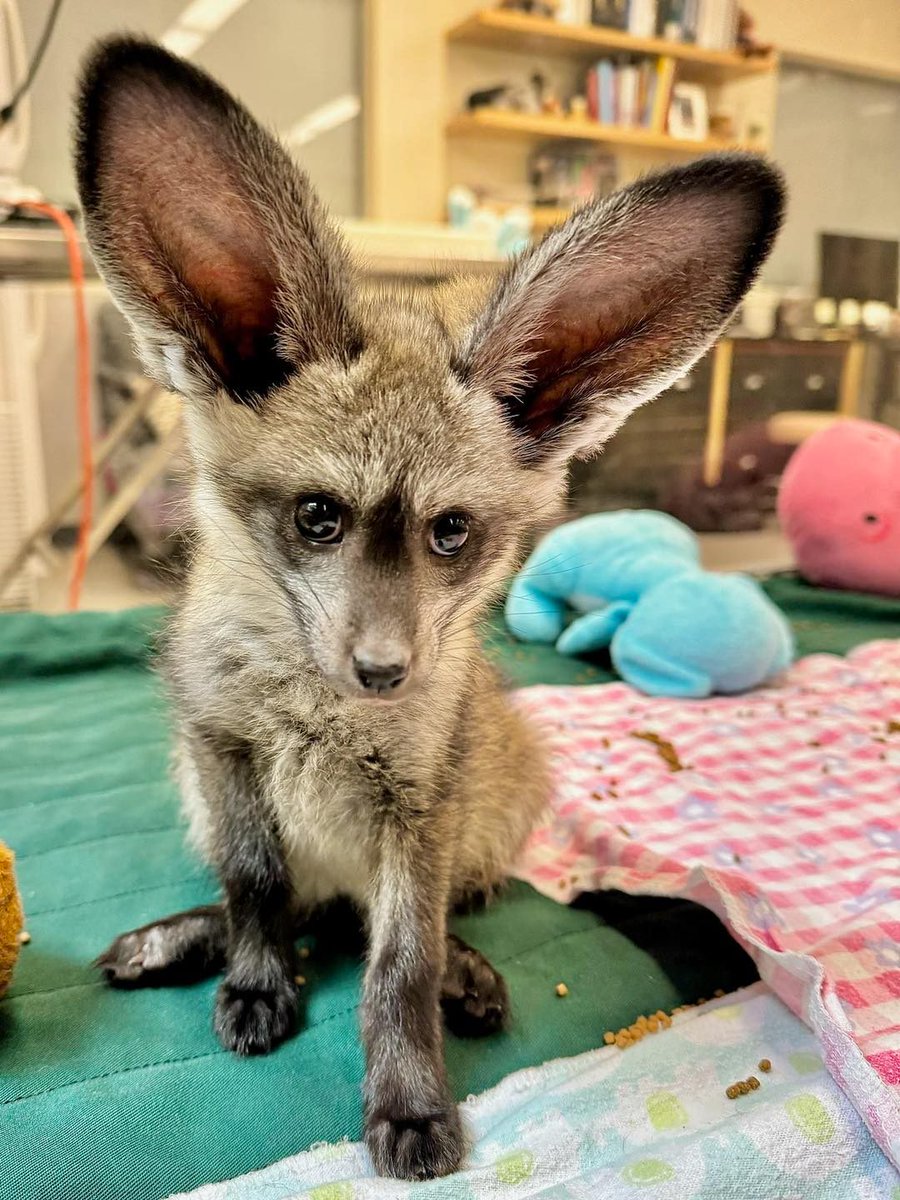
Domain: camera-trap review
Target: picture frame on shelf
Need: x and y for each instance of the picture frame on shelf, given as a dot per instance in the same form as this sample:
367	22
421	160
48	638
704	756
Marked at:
689	112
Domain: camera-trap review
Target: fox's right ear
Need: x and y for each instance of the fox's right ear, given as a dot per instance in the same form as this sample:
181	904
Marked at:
210	239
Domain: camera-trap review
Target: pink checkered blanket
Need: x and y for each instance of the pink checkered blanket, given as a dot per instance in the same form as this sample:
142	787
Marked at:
779	810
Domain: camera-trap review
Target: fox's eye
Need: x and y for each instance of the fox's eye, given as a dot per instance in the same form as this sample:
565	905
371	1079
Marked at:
449	534
319	519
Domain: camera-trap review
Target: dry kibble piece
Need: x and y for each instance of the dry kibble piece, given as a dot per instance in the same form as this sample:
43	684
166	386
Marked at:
731	1092
609	1037
24	937
753	1083
642	1021
653	1024
303	951
719	993
622	1042
764	1064
299	980
562	990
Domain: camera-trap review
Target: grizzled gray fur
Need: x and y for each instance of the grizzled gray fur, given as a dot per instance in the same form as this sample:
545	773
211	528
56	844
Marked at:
367	472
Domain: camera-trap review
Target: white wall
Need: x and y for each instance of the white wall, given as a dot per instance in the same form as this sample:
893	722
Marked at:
837	137
283	57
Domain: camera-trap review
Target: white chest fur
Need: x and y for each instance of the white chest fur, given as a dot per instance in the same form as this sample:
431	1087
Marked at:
322	809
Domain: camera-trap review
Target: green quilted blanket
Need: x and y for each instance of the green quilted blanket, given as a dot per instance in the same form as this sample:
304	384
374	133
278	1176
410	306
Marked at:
113	1094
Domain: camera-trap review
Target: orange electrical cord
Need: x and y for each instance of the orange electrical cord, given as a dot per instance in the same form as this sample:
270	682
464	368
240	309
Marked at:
83	353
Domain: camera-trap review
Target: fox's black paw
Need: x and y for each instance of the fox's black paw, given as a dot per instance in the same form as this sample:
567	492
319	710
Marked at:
474	996
416	1148
254	1020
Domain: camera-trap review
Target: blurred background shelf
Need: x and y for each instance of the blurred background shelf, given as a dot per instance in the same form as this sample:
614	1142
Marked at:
540	35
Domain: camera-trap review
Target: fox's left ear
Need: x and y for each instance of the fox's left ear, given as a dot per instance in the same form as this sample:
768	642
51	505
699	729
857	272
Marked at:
611	307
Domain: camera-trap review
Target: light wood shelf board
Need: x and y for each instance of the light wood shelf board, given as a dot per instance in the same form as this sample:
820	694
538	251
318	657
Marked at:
501	123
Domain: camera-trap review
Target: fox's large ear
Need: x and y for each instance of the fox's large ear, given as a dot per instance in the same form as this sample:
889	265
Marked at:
210	239
611	307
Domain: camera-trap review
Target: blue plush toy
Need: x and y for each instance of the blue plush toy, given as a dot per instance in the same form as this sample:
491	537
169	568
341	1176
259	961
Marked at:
635	578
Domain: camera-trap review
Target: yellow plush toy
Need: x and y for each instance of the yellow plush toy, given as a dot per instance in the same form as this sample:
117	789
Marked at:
10	918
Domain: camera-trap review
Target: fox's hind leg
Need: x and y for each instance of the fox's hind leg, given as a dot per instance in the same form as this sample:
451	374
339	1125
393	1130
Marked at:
473	996
180	949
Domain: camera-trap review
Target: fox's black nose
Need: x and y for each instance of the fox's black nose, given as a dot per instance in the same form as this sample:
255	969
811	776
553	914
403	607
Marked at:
379	677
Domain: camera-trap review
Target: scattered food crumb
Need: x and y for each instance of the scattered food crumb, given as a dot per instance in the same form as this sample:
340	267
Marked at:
624	832
299	980
598	796
562	990
743	1087
304	952
893	726
24	937
631	1034
764	1065
718	993
664	748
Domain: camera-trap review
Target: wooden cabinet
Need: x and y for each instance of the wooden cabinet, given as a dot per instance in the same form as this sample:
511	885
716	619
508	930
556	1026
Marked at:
688	425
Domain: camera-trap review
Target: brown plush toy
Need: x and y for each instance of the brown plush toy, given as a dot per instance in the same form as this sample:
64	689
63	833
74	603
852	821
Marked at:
10	918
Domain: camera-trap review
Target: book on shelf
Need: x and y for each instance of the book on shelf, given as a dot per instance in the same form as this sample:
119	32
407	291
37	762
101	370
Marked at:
611	13
712	24
642	18
574	12
634	92
662	93
717	24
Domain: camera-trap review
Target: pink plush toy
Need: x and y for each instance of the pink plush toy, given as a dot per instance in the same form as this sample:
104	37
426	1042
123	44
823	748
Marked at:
839	505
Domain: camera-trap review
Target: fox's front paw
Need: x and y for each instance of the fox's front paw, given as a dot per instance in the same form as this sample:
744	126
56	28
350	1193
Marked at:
416	1148
254	1020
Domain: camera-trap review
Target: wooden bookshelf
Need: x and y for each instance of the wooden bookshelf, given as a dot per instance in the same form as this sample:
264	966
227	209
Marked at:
493	122
501	30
